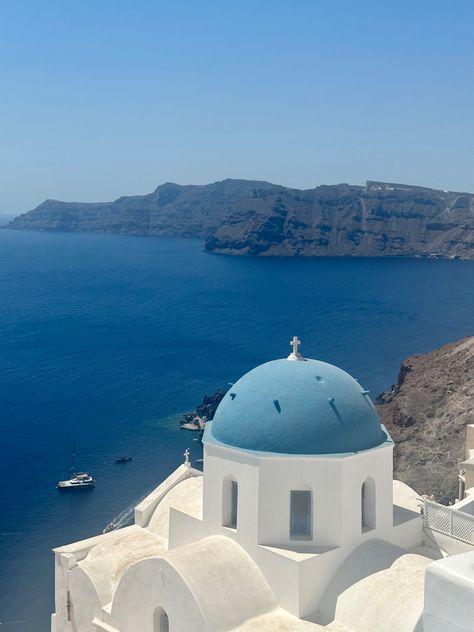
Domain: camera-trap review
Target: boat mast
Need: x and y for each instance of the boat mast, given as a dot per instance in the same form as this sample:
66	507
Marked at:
73	456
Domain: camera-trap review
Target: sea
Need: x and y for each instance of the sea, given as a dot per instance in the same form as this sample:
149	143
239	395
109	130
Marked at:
110	339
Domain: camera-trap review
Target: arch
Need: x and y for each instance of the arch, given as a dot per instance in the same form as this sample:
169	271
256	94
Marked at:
160	620
301	514
230	503
163	581
367	505
183	571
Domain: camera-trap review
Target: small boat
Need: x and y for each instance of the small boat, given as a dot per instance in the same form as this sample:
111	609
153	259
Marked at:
123	459
110	527
78	480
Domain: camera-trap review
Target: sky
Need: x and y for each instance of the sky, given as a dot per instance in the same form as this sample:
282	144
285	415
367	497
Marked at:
110	98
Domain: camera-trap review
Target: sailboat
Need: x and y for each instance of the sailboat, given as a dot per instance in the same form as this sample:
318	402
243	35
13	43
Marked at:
78	480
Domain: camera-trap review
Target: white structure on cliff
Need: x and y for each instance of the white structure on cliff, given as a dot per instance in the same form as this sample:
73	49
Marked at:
295	524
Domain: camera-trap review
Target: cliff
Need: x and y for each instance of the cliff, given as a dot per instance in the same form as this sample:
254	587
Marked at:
376	220
426	413
172	209
244	217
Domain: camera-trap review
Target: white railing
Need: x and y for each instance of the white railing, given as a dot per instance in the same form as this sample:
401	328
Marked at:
449	521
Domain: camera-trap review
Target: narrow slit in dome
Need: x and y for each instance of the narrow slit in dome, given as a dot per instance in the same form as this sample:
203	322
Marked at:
233	395
276	403
319	378
332	403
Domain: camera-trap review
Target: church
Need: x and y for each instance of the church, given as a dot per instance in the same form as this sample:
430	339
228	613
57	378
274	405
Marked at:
295	523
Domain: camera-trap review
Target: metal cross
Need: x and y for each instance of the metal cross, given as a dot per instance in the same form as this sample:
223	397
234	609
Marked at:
186	457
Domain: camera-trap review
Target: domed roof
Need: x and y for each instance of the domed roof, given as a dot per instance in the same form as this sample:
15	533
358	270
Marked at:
302	407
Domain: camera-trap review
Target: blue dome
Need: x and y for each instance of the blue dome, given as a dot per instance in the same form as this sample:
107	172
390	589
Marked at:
301	407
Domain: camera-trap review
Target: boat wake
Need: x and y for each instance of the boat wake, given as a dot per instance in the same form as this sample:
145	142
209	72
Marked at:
124	518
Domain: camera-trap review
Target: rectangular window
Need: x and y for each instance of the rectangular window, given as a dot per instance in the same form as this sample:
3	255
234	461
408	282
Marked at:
234	502
300	514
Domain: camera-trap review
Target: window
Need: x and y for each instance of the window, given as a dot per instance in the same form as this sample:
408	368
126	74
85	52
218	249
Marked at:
234	504
160	621
300	515
230	503
367	504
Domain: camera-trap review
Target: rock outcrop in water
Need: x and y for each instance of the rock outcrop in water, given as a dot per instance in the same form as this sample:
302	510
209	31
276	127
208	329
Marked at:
205	410
426	413
243	217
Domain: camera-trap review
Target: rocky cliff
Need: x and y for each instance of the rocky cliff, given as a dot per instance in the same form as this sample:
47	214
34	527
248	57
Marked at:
243	217
181	211
426	413
376	220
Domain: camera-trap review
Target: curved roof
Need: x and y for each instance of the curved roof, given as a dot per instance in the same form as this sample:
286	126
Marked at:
303	407
186	497
216	581
375	574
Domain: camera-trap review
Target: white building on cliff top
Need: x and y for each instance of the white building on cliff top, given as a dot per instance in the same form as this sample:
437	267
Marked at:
295	524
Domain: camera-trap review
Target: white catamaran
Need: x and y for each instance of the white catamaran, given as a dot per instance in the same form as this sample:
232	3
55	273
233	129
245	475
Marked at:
78	480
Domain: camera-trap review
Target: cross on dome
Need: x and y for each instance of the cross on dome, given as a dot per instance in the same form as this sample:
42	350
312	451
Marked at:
295	354
295	344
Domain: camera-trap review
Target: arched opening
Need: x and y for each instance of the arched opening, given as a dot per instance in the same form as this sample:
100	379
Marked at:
301	508
367	504
230	503
160	621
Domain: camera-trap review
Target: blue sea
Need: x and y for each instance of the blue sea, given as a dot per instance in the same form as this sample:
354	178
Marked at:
111	338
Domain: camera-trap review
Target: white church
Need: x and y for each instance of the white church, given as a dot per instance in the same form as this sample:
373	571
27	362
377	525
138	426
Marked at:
294	524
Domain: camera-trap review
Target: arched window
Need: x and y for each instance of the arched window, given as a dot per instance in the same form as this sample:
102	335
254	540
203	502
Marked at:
367	504
160	621
230	503
300	514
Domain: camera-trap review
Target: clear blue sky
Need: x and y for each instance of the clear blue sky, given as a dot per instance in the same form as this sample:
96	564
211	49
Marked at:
107	98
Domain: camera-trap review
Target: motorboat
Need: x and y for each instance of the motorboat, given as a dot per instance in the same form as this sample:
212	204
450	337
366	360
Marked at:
123	459
77	481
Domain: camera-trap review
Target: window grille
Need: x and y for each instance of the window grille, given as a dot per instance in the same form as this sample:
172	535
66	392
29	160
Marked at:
164	622
234	503
363	502
300	514
367	505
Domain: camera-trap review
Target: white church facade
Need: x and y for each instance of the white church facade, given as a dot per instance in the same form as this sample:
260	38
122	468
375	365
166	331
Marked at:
294	524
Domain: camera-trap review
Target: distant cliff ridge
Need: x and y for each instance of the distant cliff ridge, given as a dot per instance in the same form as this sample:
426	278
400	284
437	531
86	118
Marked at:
244	217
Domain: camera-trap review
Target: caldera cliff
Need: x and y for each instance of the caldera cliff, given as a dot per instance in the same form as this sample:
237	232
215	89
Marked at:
245	217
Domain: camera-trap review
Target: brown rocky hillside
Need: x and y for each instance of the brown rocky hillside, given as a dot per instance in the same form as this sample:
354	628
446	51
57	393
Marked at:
426	413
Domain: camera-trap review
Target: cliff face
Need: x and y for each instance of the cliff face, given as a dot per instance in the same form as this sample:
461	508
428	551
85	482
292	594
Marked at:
240	217
426	413
181	211
376	220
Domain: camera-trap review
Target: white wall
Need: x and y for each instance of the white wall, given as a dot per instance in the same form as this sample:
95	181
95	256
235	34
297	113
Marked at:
297	570
280	475
220	466
449	595
265	483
